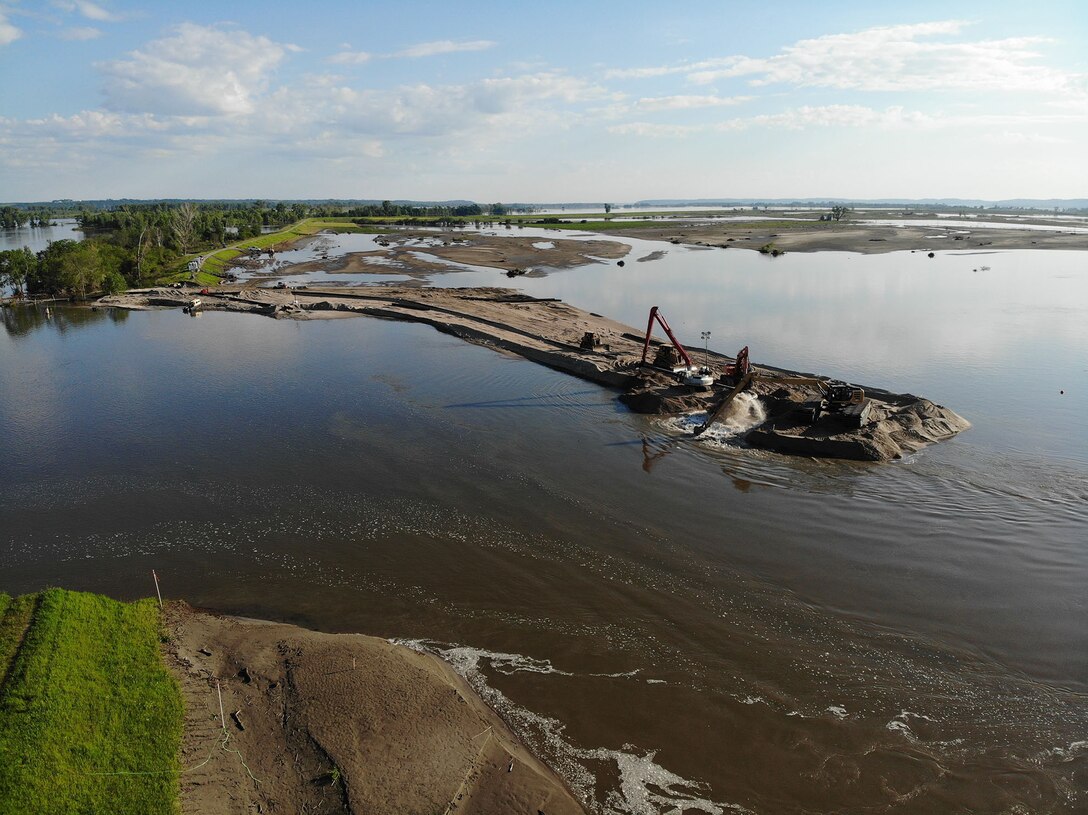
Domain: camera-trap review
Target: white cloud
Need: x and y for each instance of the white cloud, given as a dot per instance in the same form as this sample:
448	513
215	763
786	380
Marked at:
319	118
430	49
655	130
88	124
92	11
645	73
890	58
198	70
833	116
688	102
349	57
491	106
860	116
793	119
81	33
8	32
1019	138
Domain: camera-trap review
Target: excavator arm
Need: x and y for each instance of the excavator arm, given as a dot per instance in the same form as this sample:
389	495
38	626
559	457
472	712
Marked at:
656	315
713	416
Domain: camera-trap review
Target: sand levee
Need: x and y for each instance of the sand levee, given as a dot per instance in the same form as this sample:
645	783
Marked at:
594	347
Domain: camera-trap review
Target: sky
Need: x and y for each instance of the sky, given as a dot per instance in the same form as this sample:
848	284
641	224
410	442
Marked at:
543	102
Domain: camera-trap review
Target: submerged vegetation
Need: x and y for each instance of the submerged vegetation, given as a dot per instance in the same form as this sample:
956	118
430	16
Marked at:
90	719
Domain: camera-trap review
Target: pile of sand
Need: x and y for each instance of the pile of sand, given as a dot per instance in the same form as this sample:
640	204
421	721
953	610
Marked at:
326	723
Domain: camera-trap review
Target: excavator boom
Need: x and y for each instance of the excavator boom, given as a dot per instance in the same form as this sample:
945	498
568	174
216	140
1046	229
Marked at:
713	416
655	314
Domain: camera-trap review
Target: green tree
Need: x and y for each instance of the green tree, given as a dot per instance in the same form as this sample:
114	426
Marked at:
69	266
184	226
113	282
12	218
16	266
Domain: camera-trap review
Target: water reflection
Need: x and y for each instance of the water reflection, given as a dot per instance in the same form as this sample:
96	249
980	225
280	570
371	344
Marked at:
653	450
19	321
343	476
39	237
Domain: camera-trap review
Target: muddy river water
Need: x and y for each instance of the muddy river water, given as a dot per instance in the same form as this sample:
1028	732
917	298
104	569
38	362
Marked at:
675	627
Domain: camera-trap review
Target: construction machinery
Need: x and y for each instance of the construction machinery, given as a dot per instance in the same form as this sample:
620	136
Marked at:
666	358
839	398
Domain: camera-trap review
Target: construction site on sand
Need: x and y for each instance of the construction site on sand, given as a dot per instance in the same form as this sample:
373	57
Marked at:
803	413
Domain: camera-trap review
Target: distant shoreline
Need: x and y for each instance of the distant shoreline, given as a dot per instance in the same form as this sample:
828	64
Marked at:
850	236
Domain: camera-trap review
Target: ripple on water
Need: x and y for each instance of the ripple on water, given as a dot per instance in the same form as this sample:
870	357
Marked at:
645	787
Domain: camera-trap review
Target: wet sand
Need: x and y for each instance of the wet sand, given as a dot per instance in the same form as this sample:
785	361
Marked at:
330	723
419	253
813	236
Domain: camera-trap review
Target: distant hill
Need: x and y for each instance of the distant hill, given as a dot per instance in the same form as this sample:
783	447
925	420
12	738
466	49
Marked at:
1050	204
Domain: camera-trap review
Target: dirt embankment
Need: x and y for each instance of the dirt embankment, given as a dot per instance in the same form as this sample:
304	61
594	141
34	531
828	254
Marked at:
339	723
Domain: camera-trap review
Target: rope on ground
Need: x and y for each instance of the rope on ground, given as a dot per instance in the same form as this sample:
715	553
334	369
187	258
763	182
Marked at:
457	793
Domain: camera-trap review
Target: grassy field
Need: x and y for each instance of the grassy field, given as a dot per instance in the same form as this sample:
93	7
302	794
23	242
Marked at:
90	720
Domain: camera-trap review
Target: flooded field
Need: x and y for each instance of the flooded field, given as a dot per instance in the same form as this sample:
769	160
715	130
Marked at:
677	627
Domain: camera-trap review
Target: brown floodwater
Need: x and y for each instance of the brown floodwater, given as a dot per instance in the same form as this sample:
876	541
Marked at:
677	627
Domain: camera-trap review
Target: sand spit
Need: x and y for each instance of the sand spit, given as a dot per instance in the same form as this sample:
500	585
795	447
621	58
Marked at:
339	723
553	333
419	253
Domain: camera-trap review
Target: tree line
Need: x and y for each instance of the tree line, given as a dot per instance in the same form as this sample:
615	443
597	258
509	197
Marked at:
76	268
13	217
134	244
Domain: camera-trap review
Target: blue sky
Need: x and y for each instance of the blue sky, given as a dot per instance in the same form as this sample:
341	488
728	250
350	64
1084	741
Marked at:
557	101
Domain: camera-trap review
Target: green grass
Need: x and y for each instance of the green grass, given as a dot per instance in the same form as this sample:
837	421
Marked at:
217	263
315	225
90	720
14	617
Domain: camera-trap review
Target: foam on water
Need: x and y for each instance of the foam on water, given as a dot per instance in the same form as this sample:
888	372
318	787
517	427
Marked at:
645	787
746	412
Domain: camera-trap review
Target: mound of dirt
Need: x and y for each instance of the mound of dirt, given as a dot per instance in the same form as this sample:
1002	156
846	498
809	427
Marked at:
331	723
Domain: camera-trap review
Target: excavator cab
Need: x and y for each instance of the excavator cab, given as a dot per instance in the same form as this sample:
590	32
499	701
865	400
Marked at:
739	369
840	394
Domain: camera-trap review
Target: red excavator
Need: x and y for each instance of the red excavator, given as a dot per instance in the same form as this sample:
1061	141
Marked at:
666	358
